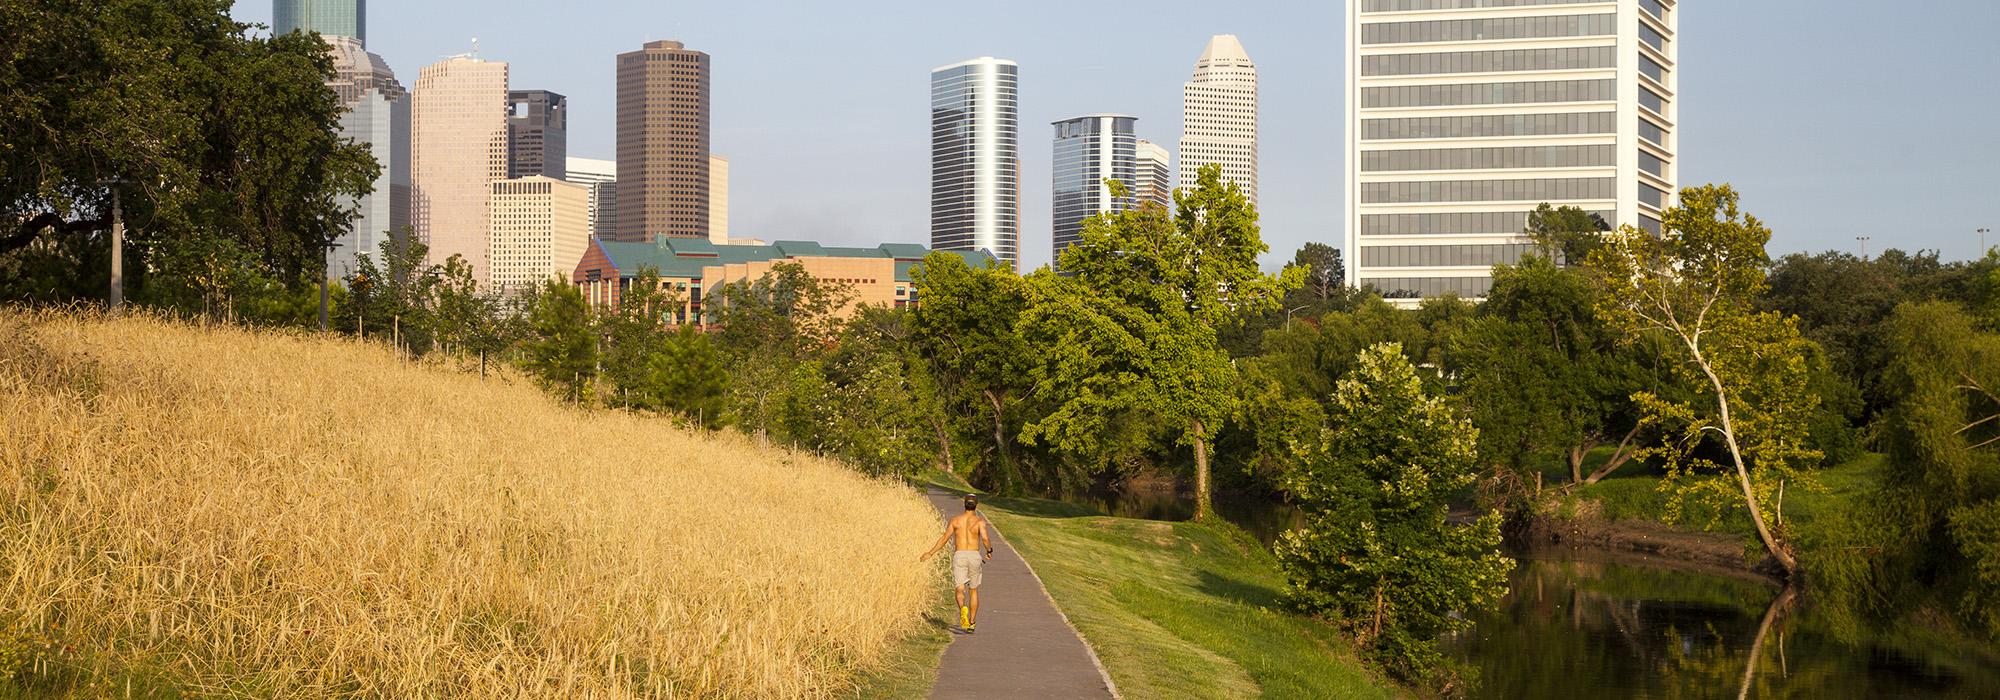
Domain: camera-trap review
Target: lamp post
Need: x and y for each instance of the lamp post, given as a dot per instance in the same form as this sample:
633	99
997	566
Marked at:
1288	314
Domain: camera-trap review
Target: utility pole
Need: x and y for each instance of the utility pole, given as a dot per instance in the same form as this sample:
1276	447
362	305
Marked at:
1864	245
117	299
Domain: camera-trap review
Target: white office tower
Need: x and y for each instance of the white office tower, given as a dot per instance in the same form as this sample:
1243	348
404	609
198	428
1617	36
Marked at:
1219	116
1155	174
377	115
540	227
975	158
1464	115
602	177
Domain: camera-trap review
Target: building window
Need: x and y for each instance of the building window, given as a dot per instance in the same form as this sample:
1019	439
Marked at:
1506	61
1538	190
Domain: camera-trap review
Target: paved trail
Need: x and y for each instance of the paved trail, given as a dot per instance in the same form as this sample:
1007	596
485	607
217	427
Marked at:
1024	648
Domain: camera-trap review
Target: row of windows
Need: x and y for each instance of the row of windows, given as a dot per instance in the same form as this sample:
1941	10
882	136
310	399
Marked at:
1653	101
1652	164
1652	132
1488	158
1444	255
1490	28
1456	223
1416	5
1541	190
1507	61
1416	287
1489	93
1489	125
1652	69
1653	6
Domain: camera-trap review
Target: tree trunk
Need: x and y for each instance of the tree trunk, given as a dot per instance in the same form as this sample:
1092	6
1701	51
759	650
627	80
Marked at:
944	445
1618	458
1576	454
1203	506
1777	549
1000	434
1771	616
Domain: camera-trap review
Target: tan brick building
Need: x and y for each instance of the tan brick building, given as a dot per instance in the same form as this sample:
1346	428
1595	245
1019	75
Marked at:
878	276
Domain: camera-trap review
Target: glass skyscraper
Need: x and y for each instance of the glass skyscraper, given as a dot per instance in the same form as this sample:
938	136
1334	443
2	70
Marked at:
975	158
328	17
1464	115
1090	150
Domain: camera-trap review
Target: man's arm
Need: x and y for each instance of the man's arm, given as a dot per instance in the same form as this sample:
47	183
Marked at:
946	537
985	542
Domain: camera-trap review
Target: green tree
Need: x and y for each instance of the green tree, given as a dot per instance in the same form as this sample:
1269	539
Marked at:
1175	284
561	349
966	324
687	377
635	333
394	299
1697	284
1566	233
224	146
1378	550
768	328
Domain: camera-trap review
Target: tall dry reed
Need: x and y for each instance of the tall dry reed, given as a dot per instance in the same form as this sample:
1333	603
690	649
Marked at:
223	511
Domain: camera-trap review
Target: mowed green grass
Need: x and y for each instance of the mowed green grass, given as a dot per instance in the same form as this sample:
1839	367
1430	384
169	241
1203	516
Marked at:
1180	610
1634	494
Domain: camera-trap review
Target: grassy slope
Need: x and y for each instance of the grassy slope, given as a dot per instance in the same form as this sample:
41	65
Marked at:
1635	495
215	511
1179	609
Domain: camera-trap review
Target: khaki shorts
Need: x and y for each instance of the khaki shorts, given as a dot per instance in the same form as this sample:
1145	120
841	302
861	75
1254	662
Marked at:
966	569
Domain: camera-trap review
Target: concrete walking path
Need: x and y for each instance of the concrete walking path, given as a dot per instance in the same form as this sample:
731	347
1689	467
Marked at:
1024	647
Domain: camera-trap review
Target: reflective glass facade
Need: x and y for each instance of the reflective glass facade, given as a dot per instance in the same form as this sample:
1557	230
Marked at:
347	18
975	158
1372	6
1089	151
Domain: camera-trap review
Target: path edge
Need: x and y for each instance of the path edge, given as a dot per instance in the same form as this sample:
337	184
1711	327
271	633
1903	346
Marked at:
1087	646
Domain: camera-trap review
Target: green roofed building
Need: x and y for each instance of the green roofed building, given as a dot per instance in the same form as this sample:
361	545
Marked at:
879	276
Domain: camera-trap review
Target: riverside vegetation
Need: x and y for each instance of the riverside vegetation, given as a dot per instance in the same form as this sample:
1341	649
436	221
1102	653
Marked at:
217	511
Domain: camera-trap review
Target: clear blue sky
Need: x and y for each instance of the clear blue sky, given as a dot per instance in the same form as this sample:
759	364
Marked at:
1835	119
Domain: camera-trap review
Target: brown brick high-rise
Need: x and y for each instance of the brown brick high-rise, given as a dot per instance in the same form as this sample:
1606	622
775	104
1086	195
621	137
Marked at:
662	142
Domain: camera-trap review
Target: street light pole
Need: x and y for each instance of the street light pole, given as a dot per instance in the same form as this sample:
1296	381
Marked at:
117	298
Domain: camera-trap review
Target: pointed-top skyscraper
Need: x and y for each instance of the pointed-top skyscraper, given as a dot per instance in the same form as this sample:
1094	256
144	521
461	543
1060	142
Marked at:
1219	115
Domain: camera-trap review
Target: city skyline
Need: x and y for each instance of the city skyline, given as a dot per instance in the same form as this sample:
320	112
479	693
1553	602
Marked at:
1756	114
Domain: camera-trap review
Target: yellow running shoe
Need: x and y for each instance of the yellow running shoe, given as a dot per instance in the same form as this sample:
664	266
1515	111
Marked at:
965	618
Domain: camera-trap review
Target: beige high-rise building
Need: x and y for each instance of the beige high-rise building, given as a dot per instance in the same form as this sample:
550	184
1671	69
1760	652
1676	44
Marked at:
718	199
1219	116
458	145
1155	174
540	228
662	142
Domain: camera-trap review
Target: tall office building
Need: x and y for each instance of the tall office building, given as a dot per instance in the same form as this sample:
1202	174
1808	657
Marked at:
602	177
537	133
1219	115
1089	151
975	158
458	145
1155	173
539	229
375	113
718	199
348	18
662	142
1464	115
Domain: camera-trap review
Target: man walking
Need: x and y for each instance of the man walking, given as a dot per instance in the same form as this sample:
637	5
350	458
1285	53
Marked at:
967	532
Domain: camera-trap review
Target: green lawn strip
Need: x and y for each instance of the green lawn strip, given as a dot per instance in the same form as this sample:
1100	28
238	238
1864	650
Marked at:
1636	496
1180	609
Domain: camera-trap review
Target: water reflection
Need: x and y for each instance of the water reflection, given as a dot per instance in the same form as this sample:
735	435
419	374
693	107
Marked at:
1587	629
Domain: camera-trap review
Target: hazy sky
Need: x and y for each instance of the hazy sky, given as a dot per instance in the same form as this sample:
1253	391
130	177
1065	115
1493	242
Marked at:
1835	119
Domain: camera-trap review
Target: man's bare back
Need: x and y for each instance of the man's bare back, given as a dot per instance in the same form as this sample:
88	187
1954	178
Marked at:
968	532
971	549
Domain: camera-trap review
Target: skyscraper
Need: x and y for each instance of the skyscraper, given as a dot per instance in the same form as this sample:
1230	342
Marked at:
458	144
602	177
1464	116
975	158
718	199
376	113
1155	173
662	142
537	133
539	229
1089	150
1219	115
348	18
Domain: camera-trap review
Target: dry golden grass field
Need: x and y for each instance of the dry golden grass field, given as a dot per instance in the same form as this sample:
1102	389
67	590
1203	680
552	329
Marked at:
238	513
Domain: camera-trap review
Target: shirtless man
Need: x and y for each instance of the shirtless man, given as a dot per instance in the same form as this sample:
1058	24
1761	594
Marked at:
968	532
